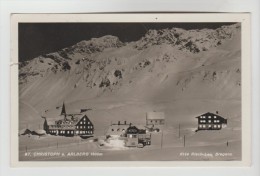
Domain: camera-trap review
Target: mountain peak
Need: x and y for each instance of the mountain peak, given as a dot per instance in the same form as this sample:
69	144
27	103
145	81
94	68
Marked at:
97	44
194	40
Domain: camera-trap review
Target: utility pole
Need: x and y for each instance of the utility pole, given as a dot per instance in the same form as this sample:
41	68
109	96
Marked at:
179	130
162	140
184	141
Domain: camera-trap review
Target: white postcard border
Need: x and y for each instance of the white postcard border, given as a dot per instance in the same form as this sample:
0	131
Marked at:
244	18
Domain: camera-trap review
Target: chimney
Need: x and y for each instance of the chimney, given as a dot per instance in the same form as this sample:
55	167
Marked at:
125	122
118	122
216	112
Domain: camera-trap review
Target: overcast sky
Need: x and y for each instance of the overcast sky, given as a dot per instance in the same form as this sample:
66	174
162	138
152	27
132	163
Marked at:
41	38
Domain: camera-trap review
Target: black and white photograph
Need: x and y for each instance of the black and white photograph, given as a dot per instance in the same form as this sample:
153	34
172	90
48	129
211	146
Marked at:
149	90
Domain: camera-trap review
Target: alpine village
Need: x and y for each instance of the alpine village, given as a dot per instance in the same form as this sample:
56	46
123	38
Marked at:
79	124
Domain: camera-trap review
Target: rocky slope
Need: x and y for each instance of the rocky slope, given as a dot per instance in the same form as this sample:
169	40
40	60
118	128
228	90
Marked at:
164	65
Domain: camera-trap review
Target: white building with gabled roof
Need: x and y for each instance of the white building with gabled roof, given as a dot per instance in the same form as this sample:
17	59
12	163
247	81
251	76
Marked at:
155	118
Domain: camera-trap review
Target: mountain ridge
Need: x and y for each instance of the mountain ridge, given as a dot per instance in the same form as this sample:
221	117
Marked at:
143	70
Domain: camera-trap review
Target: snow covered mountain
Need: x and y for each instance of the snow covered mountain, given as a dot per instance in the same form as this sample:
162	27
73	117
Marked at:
164	65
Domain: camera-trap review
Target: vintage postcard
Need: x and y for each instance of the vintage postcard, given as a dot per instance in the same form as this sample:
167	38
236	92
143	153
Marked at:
130	90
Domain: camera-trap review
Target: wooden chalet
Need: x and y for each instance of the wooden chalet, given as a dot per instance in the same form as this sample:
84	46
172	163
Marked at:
210	121
70	125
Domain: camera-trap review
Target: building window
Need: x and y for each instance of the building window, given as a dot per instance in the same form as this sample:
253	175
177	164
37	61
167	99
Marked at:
200	126
209	121
215	126
81	122
209	126
72	132
209	117
84	118
204	126
218	126
88	122
80	127
77	132
215	117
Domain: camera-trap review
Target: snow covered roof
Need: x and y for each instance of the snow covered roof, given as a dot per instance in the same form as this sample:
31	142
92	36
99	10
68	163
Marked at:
117	129
155	115
71	119
210	114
